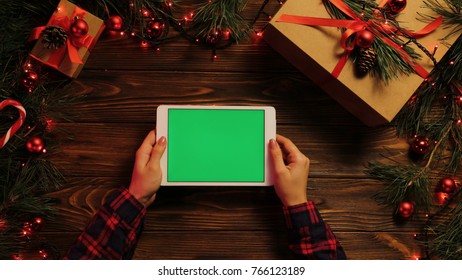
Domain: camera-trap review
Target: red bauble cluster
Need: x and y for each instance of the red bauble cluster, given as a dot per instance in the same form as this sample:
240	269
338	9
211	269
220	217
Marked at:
35	145
155	28
444	190
79	28
405	209
30	80
447	185
114	23
396	6
420	145
364	39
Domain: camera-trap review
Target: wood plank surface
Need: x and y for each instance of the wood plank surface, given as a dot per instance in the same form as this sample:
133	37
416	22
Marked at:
122	84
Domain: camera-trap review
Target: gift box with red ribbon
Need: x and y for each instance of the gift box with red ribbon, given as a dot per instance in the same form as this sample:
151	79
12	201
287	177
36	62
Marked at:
321	46
65	42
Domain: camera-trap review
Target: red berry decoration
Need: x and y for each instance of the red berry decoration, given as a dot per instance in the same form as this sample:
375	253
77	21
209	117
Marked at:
364	39
446	185
114	23
79	28
396	6
420	145
406	209
30	80
155	28
35	144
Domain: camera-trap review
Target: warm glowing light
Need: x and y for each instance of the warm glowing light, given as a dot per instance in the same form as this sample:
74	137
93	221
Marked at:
433	84
170	4
144	44
122	33
191	14
459	121
43	254
157	49
133	34
426	215
442	197
38	220
145	12
435	49
259	33
451	63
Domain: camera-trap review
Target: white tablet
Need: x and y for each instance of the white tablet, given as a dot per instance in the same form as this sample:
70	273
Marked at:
216	145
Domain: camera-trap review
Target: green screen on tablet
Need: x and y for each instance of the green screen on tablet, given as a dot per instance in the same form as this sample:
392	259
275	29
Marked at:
216	145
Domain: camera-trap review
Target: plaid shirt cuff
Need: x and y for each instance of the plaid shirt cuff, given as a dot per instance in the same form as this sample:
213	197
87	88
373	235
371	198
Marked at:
113	231
301	215
309	236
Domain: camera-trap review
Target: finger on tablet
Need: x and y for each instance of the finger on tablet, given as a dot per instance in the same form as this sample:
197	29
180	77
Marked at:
143	154
289	148
276	156
158	151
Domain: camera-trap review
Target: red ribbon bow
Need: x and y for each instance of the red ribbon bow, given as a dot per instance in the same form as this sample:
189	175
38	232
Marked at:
73	43
357	24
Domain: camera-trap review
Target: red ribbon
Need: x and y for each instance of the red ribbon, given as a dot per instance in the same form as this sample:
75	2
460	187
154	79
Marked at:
355	25
73	43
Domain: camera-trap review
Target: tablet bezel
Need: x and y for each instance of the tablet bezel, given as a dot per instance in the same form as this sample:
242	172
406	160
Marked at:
270	133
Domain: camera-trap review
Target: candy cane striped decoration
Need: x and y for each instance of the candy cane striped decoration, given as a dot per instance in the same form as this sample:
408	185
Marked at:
22	117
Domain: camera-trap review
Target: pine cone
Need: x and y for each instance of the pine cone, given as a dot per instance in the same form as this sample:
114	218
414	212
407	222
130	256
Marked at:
366	61
53	37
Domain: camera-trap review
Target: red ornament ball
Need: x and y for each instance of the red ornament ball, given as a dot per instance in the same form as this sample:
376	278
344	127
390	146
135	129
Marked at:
79	28
446	185
114	23
396	6
35	144
155	28
30	80
420	145
406	209
364	39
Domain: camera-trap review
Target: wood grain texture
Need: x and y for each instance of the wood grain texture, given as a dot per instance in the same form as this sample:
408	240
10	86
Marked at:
248	245
122	85
346	204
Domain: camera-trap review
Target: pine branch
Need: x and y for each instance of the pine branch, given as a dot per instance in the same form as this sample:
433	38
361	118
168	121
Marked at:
451	13
403	182
448	241
224	15
390	64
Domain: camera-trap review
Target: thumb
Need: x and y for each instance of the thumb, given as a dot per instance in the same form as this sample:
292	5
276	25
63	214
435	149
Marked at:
158	150
276	156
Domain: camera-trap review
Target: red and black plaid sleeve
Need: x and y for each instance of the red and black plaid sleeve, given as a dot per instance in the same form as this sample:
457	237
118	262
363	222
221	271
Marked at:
309	236
113	231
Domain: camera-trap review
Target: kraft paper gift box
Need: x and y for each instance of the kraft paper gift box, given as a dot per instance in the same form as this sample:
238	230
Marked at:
315	51
71	57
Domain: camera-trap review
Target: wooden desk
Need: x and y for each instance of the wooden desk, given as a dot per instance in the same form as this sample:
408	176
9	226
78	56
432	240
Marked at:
125	83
